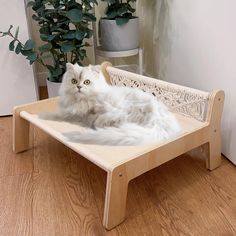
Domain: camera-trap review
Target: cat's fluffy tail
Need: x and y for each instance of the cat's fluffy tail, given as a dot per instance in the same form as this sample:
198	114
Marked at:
128	134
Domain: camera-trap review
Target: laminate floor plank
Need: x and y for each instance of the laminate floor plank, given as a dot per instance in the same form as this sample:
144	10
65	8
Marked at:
68	202
16	198
11	164
189	198
51	190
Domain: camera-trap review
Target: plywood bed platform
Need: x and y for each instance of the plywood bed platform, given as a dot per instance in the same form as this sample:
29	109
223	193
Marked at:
198	112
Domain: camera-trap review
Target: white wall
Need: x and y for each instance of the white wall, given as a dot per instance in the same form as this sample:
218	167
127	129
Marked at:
202	36
17	85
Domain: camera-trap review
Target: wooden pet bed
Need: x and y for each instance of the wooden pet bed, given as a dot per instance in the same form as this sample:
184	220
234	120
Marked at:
198	112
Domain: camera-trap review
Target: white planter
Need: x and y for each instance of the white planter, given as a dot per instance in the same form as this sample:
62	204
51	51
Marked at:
53	88
119	38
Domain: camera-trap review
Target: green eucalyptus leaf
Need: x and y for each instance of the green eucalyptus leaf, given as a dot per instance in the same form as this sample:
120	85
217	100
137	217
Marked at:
17	32
56	72
121	20
64	26
51	37
3	34
131	9
69	35
32	57
75	15
74	4
122	10
112	14
128	15
12	45
79	34
26	52
18	48
44	37
62	13
47	38
44	30
30	44
46	47
89	17
67	47
119	9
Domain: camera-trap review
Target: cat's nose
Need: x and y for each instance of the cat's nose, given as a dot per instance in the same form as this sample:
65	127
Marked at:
79	87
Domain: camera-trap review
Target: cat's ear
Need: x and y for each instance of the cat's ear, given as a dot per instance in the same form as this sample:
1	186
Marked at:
69	66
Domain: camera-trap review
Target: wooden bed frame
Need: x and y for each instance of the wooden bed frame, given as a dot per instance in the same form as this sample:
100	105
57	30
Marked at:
198	112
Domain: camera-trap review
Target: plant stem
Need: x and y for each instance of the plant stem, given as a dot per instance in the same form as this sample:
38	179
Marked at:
66	57
71	56
17	40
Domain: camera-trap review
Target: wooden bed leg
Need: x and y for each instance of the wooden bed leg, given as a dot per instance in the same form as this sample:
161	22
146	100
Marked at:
20	133
115	201
214	118
214	153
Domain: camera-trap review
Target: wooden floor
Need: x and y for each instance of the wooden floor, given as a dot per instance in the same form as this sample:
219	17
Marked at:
50	190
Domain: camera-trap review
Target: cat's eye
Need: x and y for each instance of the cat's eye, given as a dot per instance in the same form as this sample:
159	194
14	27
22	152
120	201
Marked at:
74	81
87	82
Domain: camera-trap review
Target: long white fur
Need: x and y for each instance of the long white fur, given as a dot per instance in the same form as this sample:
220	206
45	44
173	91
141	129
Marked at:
113	115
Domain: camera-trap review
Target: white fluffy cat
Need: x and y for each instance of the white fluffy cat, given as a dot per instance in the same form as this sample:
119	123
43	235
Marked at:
114	115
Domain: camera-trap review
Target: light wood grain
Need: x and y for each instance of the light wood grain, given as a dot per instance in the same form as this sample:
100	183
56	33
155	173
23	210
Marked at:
194	133
135	160
128	162
21	141
214	118
115	200
104	66
16	205
11	164
68	200
65	194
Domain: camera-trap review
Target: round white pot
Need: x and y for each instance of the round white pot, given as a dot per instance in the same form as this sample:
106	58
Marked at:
53	88
119	38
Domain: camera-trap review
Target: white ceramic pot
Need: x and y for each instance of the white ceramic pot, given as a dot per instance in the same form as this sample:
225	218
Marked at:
53	88
119	38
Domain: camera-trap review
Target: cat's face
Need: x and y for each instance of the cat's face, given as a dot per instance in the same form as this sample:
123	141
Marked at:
82	80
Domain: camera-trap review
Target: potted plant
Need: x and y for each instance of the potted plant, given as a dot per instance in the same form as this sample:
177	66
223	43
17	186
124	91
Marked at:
63	27
119	29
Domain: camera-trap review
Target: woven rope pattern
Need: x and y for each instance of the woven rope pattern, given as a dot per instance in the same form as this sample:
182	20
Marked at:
179	99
